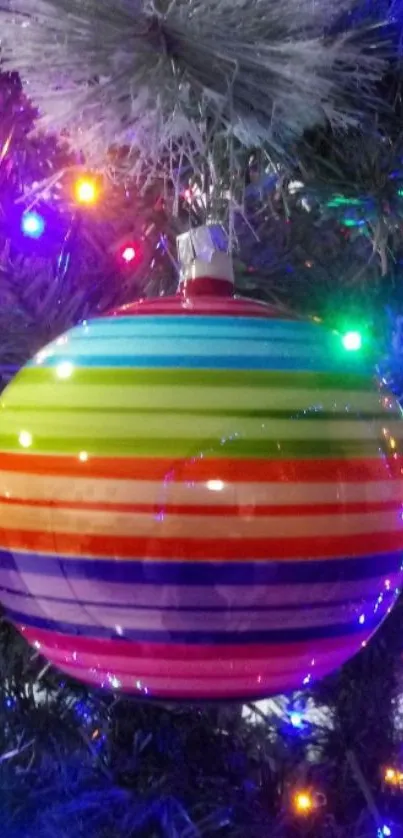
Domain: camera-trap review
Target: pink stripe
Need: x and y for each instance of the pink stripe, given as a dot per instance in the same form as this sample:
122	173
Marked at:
197	689
239	667
306	650
198	673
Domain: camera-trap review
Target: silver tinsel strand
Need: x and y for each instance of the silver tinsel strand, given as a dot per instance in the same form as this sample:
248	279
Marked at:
159	80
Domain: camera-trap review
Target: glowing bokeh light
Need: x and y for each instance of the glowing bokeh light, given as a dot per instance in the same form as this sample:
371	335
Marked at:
86	191
303	803
128	254
32	225
392	777
352	341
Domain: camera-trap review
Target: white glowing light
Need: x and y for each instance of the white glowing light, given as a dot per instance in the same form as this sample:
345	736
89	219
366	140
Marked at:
25	439
215	485
83	456
64	369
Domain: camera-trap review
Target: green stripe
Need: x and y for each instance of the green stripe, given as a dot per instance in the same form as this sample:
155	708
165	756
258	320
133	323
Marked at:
300	414
178	448
188	377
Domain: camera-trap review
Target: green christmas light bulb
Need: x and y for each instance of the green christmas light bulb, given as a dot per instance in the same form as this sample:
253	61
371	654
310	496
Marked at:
352	341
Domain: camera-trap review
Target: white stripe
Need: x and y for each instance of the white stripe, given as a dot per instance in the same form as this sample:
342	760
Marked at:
167	492
154	527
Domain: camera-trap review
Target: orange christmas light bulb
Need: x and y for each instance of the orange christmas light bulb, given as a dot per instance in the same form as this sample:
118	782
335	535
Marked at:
86	191
303	803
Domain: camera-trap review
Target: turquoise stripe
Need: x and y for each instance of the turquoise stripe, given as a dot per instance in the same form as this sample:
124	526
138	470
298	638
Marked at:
108	327
163	345
230	362
222	343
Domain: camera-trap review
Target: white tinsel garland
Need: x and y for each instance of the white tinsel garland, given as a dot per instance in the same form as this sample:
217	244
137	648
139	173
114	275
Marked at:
160	78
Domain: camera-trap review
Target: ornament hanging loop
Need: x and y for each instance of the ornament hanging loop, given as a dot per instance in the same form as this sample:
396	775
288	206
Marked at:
205	266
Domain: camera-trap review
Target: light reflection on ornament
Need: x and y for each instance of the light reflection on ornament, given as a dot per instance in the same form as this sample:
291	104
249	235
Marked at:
64	369
25	439
215	485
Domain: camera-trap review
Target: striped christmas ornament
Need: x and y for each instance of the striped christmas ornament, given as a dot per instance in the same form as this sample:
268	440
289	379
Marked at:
200	499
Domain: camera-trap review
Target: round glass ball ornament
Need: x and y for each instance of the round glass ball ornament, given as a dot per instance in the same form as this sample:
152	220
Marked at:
200	499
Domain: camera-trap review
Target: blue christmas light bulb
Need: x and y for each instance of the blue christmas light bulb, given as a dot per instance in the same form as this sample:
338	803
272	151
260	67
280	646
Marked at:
32	225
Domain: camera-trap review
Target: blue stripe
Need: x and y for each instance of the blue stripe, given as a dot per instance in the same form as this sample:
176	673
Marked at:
242	609
203	573
337	364
209	637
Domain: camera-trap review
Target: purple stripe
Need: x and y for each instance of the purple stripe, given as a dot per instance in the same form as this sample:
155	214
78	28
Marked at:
222	619
202	573
293	635
208	600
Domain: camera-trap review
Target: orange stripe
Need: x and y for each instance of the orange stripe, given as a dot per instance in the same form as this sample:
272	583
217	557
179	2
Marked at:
231	470
192	549
240	510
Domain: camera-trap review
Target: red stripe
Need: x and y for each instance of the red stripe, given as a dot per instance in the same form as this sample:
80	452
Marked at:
181	652
192	549
212	306
228	470
208	510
